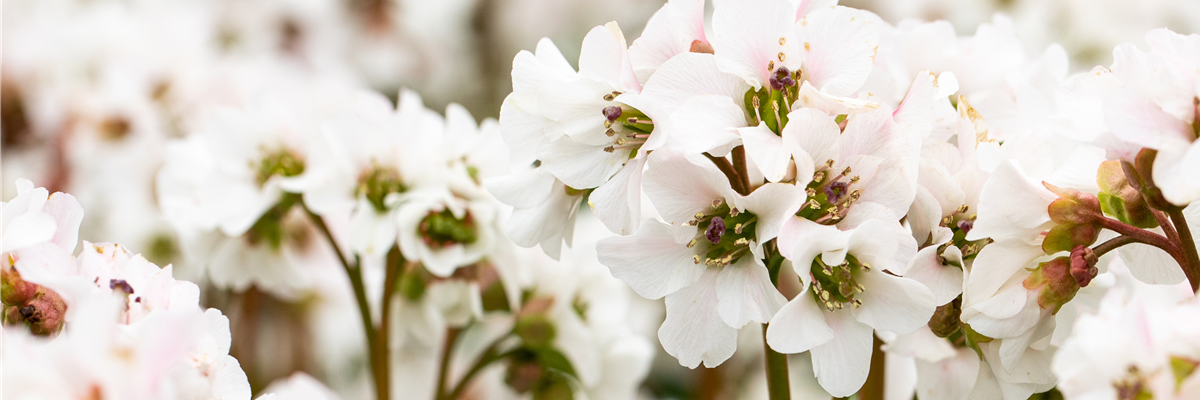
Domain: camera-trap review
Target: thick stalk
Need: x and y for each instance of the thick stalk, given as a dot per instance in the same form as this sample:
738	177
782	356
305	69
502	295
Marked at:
777	371
378	357
1187	244
395	265
1143	236
739	164
444	366
873	389
1113	244
487	358
727	168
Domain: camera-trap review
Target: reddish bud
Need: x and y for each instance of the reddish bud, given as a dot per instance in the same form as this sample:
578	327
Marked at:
13	289
1054	283
1073	206
1083	265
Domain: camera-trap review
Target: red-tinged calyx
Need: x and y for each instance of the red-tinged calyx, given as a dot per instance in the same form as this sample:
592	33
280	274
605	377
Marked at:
1054	282
1083	265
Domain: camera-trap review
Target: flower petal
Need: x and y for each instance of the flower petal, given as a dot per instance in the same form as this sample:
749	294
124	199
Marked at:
892	303
745	294
842	364
799	326
650	261
692	332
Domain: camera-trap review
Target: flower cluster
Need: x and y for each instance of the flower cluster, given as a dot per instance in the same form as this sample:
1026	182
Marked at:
813	169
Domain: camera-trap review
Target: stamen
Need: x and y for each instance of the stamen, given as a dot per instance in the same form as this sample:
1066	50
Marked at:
696	258
692	243
610	132
609	149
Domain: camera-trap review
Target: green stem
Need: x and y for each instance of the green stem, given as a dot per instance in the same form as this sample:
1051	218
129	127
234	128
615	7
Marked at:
378	357
395	264
488	357
444	366
1187	245
777	371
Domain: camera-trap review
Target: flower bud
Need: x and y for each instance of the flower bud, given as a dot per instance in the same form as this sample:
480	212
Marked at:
945	320
1143	167
13	289
534	326
1121	200
521	376
1066	237
1083	265
1073	206
1054	282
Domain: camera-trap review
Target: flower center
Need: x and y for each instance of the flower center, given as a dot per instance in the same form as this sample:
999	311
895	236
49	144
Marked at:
377	183
627	126
280	162
441	229
725	246
829	196
960	223
835	285
772	103
1132	386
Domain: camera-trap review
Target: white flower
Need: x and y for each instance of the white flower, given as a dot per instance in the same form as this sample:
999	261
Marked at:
444	232
710	261
846	296
544	208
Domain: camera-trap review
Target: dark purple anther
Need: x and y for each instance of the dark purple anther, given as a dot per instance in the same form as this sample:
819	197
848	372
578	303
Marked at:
781	78
965	226
836	191
612	113
716	229
120	284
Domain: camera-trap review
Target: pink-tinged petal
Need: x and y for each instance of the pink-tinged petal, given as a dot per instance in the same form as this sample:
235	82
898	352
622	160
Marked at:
1004	304
669	32
804	7
580	165
747	38
1152	77
799	326
618	203
838	48
1011	207
772	203
1135	119
995	264
944	281
688	75
892	303
745	294
949	379
924	215
916	113
766	150
68	214
603	57
842	364
1001	328
692	332
680	188
704	123
650	261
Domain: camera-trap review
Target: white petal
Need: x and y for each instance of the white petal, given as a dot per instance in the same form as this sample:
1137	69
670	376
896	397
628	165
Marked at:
766	150
650	261
669	32
839	46
746	37
994	265
692	332
830	104
602	54
705	122
553	218
949	379
799	326
522	189
689	75
842	364
816	134
1135	119
1011	207
680	188
68	214
773	204
580	165
27	230
893	304
745	294
618	203
944	281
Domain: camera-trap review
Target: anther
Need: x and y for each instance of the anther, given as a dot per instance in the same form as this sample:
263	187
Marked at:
866	267
696	259
854	179
610	132
771	65
810	192
819	176
782	41
734	212
741	242
717	203
781	56
829	163
962	209
692	243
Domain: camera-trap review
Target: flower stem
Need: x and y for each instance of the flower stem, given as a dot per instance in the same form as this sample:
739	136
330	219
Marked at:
777	371
378	357
487	358
395	266
1187	245
444	365
1113	244
739	164
873	388
726	168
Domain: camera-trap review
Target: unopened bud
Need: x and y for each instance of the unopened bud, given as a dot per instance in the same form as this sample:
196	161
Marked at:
13	289
1054	283
1066	236
945	320
1119	199
1083	265
1073	206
